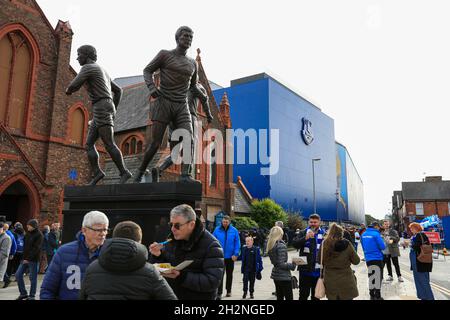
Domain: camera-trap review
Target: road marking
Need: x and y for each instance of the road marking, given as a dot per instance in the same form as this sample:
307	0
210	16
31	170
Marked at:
434	285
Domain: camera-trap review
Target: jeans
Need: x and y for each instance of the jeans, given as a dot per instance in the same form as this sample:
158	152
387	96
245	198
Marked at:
249	277
421	280
284	290
33	268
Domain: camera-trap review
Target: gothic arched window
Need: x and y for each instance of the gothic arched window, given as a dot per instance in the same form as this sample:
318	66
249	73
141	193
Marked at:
16	62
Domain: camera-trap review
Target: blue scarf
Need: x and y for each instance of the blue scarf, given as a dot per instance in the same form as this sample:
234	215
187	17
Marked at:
319	239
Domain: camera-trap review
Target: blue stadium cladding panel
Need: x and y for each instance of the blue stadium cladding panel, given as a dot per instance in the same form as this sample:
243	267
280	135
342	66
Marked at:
264	103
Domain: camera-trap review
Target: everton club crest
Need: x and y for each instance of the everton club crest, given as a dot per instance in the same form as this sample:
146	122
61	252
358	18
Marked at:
307	133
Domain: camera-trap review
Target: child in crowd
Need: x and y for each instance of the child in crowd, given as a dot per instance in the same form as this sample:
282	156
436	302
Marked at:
252	266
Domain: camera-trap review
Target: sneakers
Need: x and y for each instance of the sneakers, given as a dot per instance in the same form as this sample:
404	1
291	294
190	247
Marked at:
228	294
31	298
22	297
400	279
390	279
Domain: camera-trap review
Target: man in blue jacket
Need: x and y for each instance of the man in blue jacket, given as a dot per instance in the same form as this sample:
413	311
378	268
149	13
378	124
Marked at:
373	246
228	237
63	278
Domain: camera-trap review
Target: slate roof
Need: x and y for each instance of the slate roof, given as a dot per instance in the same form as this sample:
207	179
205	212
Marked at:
133	110
436	190
241	204
124	82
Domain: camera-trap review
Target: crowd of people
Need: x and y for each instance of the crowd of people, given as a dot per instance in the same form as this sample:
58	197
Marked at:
93	267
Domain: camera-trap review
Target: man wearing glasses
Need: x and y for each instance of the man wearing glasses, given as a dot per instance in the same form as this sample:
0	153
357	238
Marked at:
66	271
190	241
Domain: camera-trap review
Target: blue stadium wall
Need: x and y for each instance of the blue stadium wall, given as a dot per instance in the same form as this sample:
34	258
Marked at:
266	104
350	188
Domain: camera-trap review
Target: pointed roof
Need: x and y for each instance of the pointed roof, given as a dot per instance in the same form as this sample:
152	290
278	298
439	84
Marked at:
64	27
17	153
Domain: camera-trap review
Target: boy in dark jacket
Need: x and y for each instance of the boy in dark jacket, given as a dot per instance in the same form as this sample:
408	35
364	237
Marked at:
122	272
31	252
251	266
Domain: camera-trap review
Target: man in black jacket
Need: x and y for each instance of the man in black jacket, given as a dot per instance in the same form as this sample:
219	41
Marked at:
308	242
122	272
190	241
31	252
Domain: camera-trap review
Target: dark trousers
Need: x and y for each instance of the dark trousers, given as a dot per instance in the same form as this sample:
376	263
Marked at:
229	268
375	278
249	277
387	262
307	288
284	290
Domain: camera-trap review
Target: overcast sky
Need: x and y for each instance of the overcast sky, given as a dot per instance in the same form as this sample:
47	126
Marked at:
380	69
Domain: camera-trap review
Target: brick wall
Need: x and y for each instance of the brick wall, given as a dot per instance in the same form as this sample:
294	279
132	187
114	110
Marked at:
44	141
429	208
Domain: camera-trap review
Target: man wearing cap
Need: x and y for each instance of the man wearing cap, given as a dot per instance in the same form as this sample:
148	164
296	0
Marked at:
373	246
31	252
63	278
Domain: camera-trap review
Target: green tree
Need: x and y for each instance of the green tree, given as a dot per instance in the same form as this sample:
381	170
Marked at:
244	223
296	221
266	212
370	219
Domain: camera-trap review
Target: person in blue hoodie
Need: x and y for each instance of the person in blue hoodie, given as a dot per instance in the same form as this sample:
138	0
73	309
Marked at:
228	237
251	266
373	246
65	274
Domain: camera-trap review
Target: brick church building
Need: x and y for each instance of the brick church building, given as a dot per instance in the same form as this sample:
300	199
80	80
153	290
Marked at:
42	131
133	132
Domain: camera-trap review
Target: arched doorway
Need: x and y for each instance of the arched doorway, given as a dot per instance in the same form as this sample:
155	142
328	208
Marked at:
18	200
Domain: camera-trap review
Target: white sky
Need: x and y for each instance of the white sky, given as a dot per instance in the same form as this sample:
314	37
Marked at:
381	69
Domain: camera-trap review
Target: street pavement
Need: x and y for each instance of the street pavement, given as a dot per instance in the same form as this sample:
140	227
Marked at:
264	288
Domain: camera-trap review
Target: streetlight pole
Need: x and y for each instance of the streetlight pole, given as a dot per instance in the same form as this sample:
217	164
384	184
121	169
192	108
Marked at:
314	183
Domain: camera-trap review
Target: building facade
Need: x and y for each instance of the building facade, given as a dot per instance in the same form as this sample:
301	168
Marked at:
421	199
301	134
42	131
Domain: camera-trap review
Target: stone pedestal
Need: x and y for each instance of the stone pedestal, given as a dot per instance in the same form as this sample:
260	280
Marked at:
143	203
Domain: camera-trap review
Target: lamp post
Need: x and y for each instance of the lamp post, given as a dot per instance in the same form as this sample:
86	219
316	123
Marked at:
314	183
